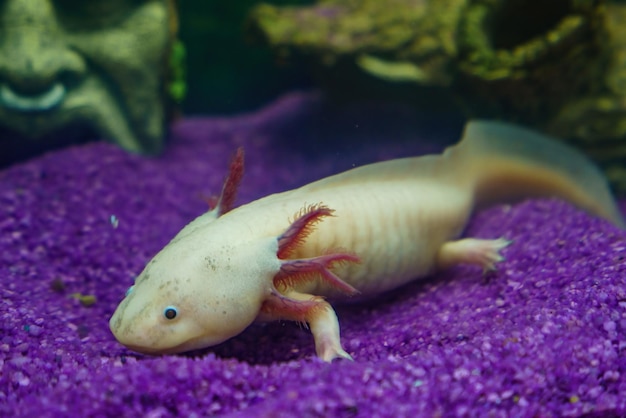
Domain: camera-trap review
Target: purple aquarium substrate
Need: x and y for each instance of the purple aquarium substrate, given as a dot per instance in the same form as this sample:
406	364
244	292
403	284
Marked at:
543	336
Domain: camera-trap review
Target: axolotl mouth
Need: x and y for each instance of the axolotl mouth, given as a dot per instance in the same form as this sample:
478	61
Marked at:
162	340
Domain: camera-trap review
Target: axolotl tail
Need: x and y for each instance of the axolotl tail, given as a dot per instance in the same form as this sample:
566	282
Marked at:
509	163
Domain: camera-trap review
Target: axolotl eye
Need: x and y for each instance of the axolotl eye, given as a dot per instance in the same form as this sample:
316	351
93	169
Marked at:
170	312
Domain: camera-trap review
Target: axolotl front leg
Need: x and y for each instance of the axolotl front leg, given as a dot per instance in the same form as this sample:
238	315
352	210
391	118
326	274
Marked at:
287	303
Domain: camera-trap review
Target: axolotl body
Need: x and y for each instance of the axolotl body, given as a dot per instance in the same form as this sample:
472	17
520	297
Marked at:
352	235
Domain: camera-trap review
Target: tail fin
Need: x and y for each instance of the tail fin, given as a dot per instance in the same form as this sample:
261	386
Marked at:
512	162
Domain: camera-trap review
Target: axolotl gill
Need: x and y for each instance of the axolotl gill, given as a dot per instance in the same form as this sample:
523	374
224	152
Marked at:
352	235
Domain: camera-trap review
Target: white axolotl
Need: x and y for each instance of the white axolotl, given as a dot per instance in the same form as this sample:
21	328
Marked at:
355	234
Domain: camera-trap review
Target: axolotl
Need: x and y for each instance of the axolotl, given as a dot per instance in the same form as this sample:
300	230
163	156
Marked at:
352	235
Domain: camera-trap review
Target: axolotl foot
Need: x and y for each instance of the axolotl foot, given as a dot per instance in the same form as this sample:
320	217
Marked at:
287	303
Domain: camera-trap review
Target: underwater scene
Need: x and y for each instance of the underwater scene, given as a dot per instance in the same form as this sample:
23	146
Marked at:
321	208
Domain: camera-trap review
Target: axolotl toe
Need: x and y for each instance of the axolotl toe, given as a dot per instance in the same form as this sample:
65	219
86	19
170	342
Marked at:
352	235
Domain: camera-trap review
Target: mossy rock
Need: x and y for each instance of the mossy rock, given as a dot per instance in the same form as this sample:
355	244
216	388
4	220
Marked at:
558	66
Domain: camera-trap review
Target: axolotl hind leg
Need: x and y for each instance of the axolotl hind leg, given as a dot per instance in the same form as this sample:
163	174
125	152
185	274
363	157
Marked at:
288	304
482	252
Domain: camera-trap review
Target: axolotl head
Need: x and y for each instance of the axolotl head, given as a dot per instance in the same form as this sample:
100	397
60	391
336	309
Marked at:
195	294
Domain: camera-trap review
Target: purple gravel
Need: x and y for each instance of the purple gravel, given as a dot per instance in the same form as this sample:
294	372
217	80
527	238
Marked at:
542	336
